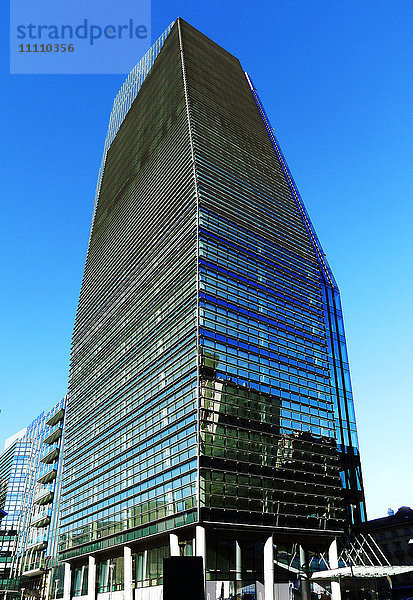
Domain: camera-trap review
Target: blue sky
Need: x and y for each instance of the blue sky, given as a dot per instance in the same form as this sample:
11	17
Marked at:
336	79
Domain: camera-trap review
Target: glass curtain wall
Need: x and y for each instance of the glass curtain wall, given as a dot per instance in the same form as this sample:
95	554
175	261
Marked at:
277	421
209	375
132	414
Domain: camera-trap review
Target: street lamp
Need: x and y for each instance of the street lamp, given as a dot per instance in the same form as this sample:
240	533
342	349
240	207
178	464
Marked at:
111	567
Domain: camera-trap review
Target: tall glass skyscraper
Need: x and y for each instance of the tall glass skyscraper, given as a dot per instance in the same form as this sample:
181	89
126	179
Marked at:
210	408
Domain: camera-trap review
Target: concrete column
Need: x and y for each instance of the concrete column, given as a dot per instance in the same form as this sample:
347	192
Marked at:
127	573
333	560
200	542
238	561
47	586
269	569
67	583
305	583
91	578
200	545
174	544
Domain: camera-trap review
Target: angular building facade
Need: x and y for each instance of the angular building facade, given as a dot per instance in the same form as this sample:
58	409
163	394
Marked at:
210	407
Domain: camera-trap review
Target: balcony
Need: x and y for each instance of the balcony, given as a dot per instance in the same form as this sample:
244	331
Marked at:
51	456
54	435
41	520
48	477
34	568
37	545
57	418
35	539
44	498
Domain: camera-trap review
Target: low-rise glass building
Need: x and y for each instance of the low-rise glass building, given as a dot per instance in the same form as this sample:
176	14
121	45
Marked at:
14	466
30	477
